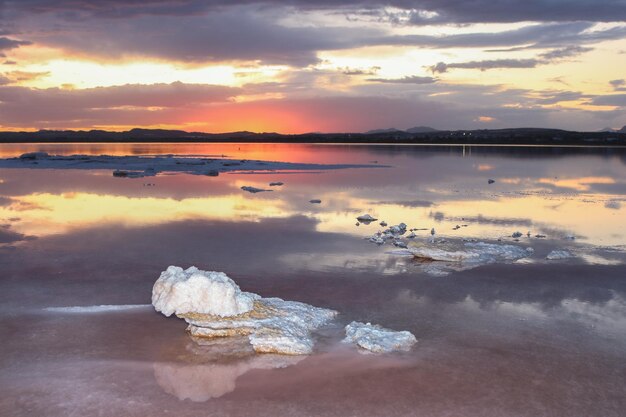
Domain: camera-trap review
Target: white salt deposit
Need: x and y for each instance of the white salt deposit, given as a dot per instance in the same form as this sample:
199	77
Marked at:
435	254
214	306
142	166
559	254
475	252
203	292
366	218
378	339
472	255
274	326
253	190
499	251
95	308
34	155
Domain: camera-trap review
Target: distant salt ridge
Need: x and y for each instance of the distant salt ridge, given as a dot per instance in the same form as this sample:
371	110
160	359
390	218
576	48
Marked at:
143	166
104	308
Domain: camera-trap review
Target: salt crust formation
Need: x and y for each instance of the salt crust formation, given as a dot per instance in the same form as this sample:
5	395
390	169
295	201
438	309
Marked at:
149	166
440	261
559	254
378	339
479	252
179	291
214	306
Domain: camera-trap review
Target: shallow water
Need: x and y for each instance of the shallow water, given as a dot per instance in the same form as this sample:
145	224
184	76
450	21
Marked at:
529	338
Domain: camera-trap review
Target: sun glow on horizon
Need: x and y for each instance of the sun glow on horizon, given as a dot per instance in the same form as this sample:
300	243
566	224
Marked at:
504	74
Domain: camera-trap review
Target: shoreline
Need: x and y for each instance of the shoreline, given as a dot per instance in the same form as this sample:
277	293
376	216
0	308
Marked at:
494	137
330	143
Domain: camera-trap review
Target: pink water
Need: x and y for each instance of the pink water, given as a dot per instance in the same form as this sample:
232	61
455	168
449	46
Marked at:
532	339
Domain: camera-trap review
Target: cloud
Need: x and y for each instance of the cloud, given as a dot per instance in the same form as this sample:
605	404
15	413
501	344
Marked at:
21	106
411	11
552	97
9	236
359	71
542	59
201	32
442	67
215	109
566	52
535	36
209	107
506	11
8	43
17	76
613	204
232	34
409	79
618	85
618	100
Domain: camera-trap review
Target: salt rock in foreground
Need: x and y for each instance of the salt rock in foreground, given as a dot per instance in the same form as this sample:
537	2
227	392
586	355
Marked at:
214	306
378	339
203	292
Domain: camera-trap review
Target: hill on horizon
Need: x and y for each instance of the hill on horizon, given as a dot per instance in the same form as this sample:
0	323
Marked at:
416	129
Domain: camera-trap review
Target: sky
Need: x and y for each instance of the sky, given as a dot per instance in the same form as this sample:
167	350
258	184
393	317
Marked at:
298	66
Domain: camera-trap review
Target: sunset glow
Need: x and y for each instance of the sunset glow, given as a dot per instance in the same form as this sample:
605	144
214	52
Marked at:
310	67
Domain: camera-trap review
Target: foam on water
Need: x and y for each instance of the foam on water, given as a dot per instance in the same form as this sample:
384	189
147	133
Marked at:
105	308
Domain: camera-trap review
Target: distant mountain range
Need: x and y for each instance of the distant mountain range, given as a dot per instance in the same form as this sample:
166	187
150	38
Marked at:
417	129
417	135
608	129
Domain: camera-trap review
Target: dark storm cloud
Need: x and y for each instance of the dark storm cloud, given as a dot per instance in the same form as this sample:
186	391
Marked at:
410	79
415	11
463	11
213	31
232	35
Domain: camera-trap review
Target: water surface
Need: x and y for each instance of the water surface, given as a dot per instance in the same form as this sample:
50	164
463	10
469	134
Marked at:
527	338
